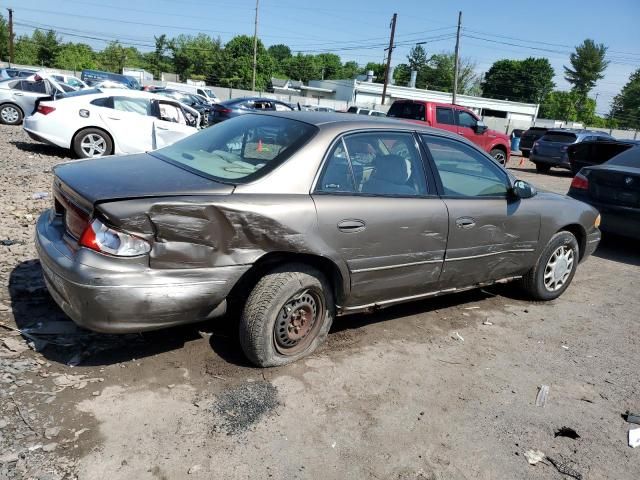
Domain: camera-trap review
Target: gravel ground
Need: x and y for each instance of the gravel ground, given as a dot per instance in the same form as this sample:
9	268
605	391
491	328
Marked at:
441	389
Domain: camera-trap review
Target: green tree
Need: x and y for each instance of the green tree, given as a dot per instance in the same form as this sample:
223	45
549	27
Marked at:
4	39
378	71
402	75
439	73
158	61
75	56
350	70
417	58
25	51
330	65
303	67
587	66
280	53
529	80
626	105
235	65
47	44
560	105
196	56
116	56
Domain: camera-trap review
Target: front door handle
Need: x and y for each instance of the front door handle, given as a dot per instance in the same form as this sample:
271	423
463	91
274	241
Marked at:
19	94
161	128
465	222
351	226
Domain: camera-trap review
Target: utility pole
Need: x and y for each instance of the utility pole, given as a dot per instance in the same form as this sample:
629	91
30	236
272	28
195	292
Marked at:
388	67
10	35
457	66
255	49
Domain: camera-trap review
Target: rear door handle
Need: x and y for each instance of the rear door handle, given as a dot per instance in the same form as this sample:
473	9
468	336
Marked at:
465	222
19	94
351	226
162	128
114	118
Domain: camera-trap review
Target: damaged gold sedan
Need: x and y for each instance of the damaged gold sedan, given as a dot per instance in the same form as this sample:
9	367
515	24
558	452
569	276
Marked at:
301	216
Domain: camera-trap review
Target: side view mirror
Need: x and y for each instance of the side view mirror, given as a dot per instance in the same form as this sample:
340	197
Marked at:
480	128
522	189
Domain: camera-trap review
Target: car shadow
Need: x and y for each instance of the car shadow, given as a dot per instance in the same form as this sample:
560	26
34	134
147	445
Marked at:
618	249
42	149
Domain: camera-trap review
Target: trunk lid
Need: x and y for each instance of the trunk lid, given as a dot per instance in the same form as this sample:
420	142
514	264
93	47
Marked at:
615	185
132	176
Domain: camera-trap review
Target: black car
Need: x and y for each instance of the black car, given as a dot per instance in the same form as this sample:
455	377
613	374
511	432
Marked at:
614	189
529	137
239	106
596	152
551	150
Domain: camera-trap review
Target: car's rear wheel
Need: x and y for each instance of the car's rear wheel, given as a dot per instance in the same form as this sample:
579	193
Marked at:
525	153
287	315
542	168
92	143
555	268
499	155
11	114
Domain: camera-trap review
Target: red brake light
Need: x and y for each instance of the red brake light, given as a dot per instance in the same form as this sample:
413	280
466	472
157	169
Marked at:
580	182
88	239
101	238
45	109
220	109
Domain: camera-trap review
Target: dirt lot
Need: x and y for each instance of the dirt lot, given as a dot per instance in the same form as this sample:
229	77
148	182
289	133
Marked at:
421	391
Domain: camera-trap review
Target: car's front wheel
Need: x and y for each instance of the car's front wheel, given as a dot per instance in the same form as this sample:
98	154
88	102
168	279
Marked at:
542	168
11	115
287	315
555	268
91	143
499	155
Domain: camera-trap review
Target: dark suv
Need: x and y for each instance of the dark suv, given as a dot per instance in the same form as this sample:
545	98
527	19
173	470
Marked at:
551	150
529	137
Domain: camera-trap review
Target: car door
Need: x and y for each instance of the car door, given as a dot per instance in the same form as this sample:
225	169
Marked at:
27	92
445	119
492	235
170	123
379	213
129	123
467	128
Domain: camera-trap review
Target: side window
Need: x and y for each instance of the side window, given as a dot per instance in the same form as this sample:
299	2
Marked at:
465	172
281	107
58	78
336	177
444	116
364	111
465	119
35	87
381	163
106	102
171	113
141	106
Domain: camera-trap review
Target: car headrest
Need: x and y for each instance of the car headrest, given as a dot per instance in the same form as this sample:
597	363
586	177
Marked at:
391	168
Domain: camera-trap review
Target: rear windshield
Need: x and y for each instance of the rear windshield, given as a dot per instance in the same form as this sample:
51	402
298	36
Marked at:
241	149
410	110
628	158
560	137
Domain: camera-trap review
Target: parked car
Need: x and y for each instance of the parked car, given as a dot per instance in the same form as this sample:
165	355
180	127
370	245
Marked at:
614	189
205	91
94	77
365	111
317	108
241	106
95	123
596	152
70	80
551	149
529	137
18	97
456	119
9	73
299	217
197	102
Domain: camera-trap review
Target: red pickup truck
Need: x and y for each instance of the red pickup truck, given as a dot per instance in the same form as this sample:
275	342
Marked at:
457	119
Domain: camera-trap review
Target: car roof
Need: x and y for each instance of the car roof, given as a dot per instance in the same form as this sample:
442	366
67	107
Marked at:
577	131
255	99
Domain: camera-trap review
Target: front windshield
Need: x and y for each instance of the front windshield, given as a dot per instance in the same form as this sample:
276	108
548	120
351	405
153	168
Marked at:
241	149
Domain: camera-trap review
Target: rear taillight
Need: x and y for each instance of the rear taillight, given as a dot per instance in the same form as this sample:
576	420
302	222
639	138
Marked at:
45	109
580	182
97	236
220	109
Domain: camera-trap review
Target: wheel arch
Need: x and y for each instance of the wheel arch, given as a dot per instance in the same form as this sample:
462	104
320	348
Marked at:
75	134
581	236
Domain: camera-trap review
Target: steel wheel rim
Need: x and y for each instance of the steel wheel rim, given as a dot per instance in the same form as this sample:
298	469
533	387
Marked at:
298	322
10	114
93	145
559	268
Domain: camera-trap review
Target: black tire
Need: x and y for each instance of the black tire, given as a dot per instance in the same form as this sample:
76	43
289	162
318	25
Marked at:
534	281
542	168
499	155
267	326
525	153
11	114
81	149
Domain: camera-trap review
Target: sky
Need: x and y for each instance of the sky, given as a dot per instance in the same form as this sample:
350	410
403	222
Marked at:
359	29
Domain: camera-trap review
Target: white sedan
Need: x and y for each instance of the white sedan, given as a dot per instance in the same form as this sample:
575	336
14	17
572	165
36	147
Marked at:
94	123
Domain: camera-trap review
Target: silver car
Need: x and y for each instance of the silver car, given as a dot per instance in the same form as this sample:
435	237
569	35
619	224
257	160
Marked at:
18	97
298	217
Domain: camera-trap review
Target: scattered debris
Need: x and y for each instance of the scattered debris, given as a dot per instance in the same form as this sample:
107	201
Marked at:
15	345
52	432
7	242
565	347
471	308
457	336
194	469
9	457
565	469
634	437
631	417
241	407
49	447
487	322
65	380
40	195
543	394
534	456
566	432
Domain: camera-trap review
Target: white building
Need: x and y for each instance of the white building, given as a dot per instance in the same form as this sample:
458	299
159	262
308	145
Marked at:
370	94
